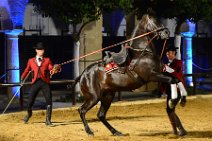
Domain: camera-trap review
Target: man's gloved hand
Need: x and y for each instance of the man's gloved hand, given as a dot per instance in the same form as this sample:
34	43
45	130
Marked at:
56	69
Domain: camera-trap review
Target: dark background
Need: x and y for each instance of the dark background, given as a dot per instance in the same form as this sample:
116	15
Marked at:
202	54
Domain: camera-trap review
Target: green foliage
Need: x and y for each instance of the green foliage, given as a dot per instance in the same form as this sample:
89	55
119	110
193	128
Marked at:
78	11
69	11
194	10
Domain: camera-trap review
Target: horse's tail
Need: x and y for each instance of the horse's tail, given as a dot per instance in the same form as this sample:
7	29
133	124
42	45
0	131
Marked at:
72	86
76	80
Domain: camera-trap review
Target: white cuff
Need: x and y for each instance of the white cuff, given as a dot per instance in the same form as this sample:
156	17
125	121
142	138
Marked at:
168	69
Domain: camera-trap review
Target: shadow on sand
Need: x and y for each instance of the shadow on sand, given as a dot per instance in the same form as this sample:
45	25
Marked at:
190	134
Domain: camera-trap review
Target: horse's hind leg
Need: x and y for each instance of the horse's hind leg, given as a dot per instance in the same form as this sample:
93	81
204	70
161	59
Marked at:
88	104
106	100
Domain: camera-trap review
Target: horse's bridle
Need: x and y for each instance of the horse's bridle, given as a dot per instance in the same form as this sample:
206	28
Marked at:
160	32
133	63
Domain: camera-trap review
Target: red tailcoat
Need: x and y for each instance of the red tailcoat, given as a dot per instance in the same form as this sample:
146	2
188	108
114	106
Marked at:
178	73
177	65
46	66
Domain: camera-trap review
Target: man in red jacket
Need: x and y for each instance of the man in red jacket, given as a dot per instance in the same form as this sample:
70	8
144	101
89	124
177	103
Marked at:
174	69
41	68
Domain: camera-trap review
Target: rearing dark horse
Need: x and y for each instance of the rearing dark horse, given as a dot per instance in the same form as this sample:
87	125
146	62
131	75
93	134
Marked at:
96	85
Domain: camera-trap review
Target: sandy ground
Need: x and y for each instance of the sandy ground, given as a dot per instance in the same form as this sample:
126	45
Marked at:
139	120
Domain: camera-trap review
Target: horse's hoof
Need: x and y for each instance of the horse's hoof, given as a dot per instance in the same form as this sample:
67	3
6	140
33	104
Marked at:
90	133
182	133
26	119
50	125
174	132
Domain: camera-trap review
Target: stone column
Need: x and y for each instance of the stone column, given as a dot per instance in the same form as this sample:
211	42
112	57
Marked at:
12	61
187	50
187	56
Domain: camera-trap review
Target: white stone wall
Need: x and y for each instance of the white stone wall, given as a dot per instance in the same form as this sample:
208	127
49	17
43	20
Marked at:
33	20
202	27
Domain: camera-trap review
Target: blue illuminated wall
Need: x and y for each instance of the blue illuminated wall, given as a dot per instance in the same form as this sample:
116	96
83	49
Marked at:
17	8
12	11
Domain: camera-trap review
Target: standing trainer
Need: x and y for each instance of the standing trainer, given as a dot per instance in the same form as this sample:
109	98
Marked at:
41	68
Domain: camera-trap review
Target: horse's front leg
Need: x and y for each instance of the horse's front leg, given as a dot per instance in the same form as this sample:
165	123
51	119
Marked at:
105	105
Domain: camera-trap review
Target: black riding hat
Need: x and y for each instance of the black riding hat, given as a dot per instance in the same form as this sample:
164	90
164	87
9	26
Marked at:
171	48
39	46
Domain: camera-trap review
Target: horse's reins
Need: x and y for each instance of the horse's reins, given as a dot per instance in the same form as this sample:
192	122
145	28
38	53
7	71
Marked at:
108	47
164	44
133	63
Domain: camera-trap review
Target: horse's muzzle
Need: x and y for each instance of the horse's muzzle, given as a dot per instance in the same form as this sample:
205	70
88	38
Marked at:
164	33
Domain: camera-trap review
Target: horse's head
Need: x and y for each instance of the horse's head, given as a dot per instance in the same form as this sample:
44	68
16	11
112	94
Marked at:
163	33
151	24
152	27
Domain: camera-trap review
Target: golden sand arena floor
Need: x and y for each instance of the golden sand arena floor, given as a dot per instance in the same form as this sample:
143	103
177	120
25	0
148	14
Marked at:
139	120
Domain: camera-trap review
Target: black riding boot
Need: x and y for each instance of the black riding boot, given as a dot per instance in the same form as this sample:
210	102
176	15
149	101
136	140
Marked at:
27	117
180	127
48	115
173	123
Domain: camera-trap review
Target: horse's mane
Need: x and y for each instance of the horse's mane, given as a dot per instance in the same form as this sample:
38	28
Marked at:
147	23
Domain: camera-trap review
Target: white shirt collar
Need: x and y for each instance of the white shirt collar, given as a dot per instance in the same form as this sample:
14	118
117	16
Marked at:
170	61
39	57
38	62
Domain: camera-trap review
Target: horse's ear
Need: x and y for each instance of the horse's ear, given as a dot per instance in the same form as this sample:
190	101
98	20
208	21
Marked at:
151	12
